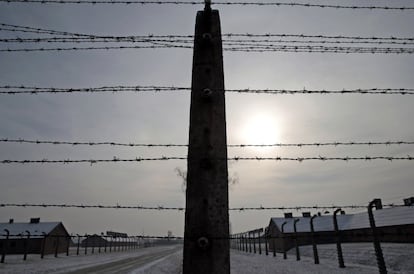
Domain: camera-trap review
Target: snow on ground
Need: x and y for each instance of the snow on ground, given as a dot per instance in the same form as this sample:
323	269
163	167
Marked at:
34	265
359	258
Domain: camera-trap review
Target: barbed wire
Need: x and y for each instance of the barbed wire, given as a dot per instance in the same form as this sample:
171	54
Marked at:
160	207
235	236
241	48
229	42
300	145
320	49
13	90
19	28
228	3
236	159
92	48
8	89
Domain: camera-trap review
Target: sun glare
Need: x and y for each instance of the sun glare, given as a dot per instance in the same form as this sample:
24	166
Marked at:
261	129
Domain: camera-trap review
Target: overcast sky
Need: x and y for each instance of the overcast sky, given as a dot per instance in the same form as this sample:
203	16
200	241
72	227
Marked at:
163	117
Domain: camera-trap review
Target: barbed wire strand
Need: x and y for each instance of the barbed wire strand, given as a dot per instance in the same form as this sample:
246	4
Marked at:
160	207
111	143
264	4
19	28
236	159
227	42
13	90
241	48
235	236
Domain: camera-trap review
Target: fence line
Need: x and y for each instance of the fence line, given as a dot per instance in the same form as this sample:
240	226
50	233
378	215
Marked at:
19	28
300	145
257	49
236	159
14	90
227	3
160	207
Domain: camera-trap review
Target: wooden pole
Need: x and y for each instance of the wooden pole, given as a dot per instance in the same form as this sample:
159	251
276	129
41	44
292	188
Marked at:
206	236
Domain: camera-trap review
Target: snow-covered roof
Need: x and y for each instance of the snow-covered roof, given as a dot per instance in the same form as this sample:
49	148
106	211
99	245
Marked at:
383	217
33	228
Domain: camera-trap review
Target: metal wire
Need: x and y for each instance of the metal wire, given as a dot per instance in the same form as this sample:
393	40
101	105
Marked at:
240	48
229	3
229	42
19	28
13	90
110	143
160	207
164	158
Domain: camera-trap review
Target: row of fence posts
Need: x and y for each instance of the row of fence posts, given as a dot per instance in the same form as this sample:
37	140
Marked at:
247	241
112	245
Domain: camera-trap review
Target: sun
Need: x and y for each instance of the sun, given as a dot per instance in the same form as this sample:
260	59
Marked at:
261	129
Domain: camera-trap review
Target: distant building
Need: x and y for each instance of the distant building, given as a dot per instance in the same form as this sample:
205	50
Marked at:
34	236
110	239
394	225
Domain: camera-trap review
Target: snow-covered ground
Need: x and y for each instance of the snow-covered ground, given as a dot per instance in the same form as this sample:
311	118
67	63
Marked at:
359	258
65	264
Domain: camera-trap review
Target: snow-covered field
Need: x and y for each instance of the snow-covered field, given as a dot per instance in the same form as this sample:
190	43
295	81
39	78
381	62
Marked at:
359	258
66	264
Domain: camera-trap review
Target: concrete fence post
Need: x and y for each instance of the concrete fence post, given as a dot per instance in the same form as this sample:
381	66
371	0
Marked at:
296	240
5	246
338	239
78	246
283	240
42	250
259	236
246	242
206	232
57	245
314	247
68	242
26	245
250	242
376	240
86	243
110	243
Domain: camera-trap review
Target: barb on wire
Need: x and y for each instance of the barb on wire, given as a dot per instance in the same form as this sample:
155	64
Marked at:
228	3
12	90
92	48
92	161
110	143
171	40
236	159
230	36
241	48
161	208
37	90
138	207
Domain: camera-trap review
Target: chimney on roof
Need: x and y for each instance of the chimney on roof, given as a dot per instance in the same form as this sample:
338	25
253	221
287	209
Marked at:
289	215
409	201
11	221
306	214
34	220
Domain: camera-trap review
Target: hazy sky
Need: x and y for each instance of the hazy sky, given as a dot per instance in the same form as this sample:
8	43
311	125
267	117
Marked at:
163	117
